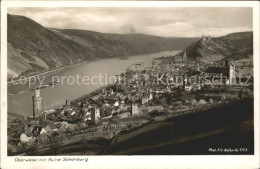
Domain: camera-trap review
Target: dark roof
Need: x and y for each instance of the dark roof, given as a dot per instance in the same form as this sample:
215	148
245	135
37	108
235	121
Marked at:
52	126
223	70
196	73
36	130
214	70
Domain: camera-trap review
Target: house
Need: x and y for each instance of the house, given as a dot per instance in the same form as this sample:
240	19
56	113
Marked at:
86	117
50	127
116	104
111	91
72	113
124	115
123	107
134	109
24	138
152	108
37	130
43	131
28	130
202	102
144	99
187	88
196	87
150	96
63	125
214	71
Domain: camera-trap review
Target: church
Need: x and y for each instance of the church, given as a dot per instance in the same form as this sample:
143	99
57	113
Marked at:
227	72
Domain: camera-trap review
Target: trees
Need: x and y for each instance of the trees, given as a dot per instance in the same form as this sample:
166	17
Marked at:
194	102
31	149
202	102
211	101
156	113
43	138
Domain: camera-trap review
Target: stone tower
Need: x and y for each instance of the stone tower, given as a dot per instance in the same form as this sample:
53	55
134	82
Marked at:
37	103
95	115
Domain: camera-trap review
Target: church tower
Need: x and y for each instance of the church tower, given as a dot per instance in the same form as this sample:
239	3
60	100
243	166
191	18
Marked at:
37	103
232	74
231	69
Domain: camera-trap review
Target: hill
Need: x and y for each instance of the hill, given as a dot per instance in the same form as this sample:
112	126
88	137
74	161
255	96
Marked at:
235	46
33	48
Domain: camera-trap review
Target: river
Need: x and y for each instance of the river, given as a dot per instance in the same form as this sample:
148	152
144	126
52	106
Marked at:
20	96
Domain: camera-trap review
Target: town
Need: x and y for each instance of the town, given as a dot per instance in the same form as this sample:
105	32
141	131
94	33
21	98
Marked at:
170	86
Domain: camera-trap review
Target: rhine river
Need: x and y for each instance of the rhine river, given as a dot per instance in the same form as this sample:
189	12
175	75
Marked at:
20	96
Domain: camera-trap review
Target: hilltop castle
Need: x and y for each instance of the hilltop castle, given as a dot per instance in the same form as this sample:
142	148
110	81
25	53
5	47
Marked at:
206	38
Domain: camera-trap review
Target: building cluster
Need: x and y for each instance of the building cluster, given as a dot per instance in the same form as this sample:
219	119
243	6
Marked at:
133	92
134	89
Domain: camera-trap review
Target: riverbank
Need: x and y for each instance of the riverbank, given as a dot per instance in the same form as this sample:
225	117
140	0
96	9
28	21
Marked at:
136	66
11	82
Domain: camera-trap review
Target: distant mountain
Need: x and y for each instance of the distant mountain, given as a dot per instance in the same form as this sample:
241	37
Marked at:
235	46
33	48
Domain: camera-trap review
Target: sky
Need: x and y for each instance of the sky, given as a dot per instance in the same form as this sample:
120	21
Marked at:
158	21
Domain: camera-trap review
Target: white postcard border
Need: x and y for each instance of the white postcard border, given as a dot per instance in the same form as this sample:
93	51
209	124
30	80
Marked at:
175	161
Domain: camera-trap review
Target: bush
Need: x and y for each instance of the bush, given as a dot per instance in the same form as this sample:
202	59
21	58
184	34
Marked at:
31	149
194	102
178	103
145	111
202	102
43	138
211	101
156	113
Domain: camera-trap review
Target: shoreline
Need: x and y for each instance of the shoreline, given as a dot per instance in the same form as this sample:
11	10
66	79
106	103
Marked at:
48	71
9	81
67	66
93	93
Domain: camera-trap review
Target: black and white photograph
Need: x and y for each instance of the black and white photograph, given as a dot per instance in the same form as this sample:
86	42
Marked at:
140	81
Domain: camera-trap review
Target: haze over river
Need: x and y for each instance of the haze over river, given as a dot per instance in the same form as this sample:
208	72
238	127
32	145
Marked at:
20	96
